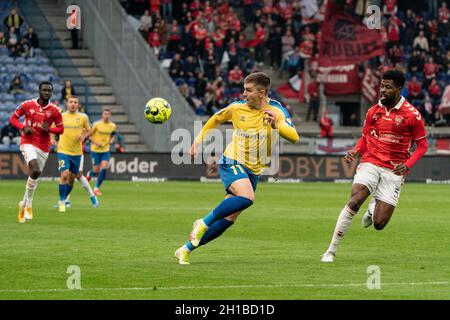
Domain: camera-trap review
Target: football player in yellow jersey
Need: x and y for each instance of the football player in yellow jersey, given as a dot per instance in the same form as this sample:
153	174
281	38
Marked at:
254	120
70	151
101	135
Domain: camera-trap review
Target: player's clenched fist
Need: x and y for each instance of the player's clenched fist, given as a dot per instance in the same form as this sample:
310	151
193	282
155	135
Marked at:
271	118
352	155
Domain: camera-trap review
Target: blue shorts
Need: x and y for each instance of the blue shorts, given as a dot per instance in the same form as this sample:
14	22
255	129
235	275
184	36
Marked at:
67	162
231	170
98	157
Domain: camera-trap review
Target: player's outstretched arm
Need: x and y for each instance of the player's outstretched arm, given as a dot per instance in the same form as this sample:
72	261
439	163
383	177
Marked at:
212	123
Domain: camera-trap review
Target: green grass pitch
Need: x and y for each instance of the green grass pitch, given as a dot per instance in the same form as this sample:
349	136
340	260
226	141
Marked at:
125	248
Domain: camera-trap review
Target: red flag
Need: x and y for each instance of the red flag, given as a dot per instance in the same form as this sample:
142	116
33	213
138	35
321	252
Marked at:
370	86
345	40
293	88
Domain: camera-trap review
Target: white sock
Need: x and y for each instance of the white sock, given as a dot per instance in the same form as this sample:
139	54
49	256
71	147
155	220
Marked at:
371	207
187	249
343	222
86	185
30	187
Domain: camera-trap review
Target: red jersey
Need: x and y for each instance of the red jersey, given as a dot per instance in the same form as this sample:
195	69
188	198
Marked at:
36	114
389	134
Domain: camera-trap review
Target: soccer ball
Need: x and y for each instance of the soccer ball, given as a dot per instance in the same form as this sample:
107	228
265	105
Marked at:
157	110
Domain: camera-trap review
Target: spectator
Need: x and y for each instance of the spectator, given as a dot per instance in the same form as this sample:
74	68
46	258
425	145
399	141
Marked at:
416	62
421	42
176	67
200	86
154	40
195	103
32	39
435	93
24	48
3	40
313	92
13	37
118	143
236	77
430	70
415	90
166	10
10	135
174	36
259	44
353	120
395	54
146	20
190	67
390	7
162	30
13	20
288	42
14	52
16	86
67	92
444	13
326	126
275	46
393	32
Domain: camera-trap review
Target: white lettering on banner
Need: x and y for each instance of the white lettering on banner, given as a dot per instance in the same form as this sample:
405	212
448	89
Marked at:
134	166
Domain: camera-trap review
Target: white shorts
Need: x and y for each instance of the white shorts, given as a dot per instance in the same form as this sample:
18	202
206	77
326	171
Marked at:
383	185
30	152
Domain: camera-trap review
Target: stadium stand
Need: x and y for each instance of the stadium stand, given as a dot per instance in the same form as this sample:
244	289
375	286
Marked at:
212	37
57	61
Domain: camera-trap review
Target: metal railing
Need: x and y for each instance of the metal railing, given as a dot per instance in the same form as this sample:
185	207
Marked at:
132	69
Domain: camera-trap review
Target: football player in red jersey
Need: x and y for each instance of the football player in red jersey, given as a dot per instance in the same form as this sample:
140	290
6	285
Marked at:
40	114
391	127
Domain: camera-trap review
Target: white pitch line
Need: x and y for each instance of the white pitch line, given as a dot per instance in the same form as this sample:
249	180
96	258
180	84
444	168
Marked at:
311	285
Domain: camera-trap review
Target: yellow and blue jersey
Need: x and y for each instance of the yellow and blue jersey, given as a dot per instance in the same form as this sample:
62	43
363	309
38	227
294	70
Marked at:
252	135
74	125
102	135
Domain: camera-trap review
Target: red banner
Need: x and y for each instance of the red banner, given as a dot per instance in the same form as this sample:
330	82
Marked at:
370	86
345	40
339	80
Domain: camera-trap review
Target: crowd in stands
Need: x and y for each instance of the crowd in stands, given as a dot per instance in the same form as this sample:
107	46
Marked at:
211	53
205	40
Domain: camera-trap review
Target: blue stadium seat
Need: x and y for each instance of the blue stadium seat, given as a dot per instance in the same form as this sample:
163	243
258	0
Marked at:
32	60
6	60
4	52
20	60
38	52
441	76
6	97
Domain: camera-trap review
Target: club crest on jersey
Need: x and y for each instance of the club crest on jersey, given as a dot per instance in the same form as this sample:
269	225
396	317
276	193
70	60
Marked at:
398	120
242	118
48	114
32	111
